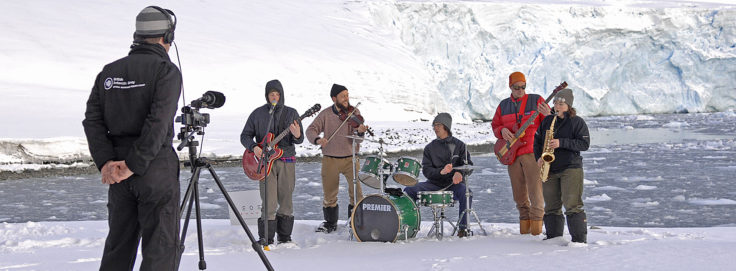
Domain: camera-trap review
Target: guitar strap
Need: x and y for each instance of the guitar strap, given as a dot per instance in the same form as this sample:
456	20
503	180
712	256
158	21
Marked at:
522	109
279	123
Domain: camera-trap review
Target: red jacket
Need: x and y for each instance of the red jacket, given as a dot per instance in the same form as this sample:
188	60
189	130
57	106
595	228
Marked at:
507	114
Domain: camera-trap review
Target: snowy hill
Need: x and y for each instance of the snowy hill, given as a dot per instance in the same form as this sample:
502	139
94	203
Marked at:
404	60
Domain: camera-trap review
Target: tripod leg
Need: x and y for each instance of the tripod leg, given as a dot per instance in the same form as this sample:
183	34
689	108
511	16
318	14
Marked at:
441	225
200	242
187	198
479	225
256	246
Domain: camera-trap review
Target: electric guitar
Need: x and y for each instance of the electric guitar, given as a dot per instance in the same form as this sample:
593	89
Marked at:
506	150
256	169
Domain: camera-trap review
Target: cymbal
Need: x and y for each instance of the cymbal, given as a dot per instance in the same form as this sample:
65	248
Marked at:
466	167
367	139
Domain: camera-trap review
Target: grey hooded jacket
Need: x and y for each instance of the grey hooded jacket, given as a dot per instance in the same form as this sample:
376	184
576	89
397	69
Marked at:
256	125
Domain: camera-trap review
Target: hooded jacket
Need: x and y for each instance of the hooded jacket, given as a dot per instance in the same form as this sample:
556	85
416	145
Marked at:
131	108
439	153
256	125
574	138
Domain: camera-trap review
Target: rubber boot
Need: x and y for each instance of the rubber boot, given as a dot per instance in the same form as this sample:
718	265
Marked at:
330	215
525	226
536	227
577	225
350	211
271	230
284	226
554	225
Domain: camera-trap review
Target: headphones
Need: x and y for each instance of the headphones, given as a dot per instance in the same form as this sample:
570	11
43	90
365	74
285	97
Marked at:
169	35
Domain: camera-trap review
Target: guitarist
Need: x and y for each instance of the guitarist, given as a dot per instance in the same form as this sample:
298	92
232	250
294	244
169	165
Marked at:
336	154
526	185
282	177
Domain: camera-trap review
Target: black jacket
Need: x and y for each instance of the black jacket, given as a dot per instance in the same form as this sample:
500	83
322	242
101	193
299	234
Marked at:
574	138
283	116
130	111
437	154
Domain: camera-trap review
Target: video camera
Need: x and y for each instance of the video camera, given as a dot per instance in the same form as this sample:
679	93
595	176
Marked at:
193	121
190	114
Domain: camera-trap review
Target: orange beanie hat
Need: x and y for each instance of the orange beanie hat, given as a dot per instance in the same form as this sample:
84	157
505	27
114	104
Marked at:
516	77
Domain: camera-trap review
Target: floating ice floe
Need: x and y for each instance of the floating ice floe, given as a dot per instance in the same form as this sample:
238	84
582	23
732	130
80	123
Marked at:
698	201
645	187
602	197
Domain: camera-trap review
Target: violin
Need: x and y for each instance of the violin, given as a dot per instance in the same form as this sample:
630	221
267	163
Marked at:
355	120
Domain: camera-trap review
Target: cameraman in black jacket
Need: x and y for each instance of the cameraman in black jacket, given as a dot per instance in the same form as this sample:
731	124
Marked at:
129	124
565	182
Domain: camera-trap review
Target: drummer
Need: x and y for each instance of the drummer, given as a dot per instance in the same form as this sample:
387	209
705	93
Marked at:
440	156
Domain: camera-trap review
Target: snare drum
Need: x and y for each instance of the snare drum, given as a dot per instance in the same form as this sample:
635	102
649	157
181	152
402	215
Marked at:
385	218
435	198
369	174
407	171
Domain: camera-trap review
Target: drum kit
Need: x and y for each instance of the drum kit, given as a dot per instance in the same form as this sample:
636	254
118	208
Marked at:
391	215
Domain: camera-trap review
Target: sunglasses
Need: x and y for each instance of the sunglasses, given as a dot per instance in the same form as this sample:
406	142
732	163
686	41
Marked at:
519	87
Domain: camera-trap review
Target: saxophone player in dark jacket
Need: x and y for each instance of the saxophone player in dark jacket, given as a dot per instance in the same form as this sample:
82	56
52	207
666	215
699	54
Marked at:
565	183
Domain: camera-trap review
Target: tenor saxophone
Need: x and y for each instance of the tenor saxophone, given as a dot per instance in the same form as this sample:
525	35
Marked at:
548	154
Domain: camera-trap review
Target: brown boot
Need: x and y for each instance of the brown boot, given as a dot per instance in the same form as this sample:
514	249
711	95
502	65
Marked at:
524	225
536	227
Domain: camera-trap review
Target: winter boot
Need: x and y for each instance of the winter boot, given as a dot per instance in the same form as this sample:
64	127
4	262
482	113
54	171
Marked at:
330	224
284	226
271	231
524	226
577	225
462	233
536	227
350	211
554	224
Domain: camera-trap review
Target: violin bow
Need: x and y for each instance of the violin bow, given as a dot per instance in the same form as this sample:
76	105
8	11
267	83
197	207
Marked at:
341	124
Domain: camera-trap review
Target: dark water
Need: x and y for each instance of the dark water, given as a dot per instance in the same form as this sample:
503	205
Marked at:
679	181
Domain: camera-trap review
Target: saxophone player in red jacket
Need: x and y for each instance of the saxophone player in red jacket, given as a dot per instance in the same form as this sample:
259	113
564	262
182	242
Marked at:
524	171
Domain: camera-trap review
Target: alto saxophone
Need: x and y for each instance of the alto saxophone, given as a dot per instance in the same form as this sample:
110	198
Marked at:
548	154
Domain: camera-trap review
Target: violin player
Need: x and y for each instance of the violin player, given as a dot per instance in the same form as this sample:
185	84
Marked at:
333	124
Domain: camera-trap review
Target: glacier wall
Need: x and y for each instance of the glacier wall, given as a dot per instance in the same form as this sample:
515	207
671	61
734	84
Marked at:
617	60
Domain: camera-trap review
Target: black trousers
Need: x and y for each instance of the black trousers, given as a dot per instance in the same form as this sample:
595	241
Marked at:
145	207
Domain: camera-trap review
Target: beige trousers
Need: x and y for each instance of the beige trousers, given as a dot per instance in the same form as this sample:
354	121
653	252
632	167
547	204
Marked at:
526	186
331	170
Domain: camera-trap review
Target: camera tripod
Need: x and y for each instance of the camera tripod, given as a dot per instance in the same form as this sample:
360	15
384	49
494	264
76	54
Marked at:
192	197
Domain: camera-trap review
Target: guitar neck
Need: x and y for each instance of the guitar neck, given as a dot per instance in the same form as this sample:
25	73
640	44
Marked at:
526	124
536	113
281	136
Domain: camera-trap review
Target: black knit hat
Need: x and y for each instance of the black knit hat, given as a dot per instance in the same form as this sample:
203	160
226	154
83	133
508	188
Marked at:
336	89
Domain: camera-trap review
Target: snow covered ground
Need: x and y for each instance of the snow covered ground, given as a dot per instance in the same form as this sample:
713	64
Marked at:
78	246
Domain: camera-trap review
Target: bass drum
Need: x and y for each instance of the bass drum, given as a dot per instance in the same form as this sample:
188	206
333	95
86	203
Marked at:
385	218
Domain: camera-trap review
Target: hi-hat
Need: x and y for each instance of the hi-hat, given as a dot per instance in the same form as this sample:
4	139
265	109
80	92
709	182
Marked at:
466	167
366	139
